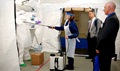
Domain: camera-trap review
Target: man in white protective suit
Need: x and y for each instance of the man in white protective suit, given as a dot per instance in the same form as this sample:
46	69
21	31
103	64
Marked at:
23	37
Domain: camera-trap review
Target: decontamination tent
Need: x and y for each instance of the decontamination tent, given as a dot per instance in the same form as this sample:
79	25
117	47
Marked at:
51	15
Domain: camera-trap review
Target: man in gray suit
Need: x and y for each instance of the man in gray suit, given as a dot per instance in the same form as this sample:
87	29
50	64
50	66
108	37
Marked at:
107	36
93	29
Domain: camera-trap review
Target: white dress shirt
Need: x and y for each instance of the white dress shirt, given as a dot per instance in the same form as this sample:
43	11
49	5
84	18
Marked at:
91	24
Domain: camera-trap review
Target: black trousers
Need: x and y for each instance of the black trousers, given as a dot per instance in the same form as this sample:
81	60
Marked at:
105	62
92	42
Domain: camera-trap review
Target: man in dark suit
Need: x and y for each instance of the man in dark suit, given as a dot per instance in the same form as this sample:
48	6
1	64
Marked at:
107	36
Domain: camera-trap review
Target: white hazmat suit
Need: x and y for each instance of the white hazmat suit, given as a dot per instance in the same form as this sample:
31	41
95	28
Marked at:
23	38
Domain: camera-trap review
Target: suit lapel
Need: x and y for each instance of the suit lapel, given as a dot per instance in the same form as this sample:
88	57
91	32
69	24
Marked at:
100	31
108	18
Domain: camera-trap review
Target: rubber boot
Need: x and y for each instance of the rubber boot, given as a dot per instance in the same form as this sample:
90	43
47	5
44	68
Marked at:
70	65
23	65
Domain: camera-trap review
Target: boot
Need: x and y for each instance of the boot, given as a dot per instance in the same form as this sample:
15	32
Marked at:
23	65
70	65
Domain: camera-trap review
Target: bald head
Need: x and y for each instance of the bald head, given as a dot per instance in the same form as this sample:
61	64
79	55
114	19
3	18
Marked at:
109	7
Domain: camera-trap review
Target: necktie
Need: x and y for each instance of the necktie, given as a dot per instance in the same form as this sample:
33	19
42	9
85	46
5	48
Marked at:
90	25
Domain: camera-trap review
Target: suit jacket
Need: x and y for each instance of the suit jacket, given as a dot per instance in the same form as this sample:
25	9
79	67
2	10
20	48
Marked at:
94	31
107	36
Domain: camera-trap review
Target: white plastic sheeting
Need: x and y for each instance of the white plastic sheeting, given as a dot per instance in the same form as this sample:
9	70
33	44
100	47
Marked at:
8	49
52	16
118	45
